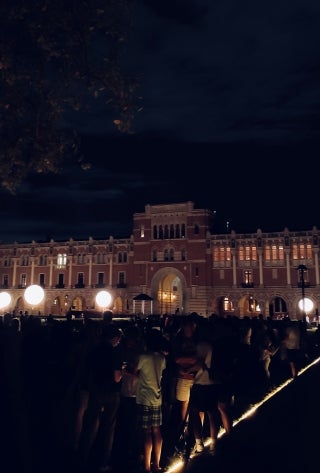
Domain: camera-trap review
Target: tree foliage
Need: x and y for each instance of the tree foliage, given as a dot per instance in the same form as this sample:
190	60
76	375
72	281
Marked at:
56	56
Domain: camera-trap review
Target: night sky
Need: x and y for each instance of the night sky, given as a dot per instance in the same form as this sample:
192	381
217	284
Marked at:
230	116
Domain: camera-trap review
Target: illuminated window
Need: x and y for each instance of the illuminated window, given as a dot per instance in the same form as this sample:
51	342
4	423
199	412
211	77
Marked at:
61	260
274	252
248	277
254	253
267	253
142	231
227	305
221	253
301	251
281	253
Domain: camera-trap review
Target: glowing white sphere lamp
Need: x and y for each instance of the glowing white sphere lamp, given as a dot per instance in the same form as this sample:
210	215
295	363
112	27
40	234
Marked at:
5	300
305	305
103	299
34	295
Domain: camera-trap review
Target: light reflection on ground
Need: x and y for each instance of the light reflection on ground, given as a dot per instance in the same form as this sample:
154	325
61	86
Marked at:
178	464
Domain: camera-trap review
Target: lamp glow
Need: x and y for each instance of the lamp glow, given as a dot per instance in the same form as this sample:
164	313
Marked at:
306	305
5	299
103	299
34	294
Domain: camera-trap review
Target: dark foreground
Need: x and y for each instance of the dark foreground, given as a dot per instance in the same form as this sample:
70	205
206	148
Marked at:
281	436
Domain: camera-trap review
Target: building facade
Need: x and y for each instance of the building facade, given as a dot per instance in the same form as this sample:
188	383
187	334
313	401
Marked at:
173	262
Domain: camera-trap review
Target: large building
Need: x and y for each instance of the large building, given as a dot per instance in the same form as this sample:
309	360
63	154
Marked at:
172	263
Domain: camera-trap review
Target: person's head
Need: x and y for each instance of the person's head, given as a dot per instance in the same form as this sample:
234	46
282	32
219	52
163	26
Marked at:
154	340
189	327
112	334
107	316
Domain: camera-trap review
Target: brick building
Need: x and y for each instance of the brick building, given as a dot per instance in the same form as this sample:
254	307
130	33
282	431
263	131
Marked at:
172	262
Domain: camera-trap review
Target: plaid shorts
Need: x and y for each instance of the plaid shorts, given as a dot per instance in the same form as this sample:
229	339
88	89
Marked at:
149	416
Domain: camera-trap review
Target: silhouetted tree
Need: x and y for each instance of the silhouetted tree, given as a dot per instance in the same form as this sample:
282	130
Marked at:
57	56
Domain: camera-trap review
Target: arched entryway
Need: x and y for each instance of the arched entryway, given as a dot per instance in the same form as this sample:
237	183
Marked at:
278	308
249	306
169	292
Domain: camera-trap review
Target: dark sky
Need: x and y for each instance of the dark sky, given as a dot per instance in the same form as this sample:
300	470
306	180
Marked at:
230	95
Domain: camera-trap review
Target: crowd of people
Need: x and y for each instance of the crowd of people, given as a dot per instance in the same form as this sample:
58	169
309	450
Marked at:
97	396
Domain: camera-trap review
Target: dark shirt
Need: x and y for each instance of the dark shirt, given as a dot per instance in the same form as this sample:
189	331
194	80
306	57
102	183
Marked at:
102	361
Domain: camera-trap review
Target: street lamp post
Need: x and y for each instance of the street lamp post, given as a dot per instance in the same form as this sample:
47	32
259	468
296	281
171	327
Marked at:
302	268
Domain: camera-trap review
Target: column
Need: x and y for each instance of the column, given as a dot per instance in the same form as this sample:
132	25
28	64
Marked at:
288	268
90	271
260	269
32	271
316	264
70	272
51	272
14	275
234	270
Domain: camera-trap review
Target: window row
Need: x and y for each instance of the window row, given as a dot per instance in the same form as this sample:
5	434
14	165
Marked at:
270	253
99	258
100	281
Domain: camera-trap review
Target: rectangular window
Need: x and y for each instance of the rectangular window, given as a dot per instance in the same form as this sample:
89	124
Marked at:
254	253
248	277
23	280
267	253
121	277
100	278
62	260
5	280
80	279
41	279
